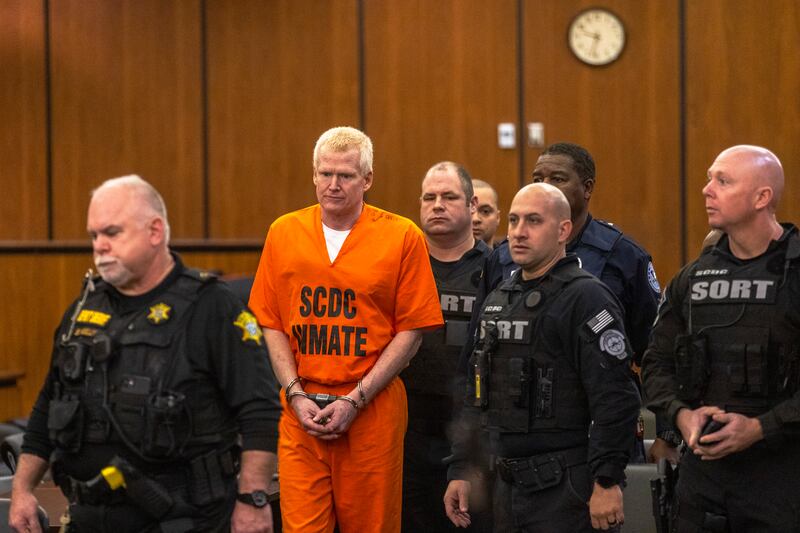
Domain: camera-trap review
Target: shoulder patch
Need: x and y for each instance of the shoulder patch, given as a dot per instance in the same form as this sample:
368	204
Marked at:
203	276
612	342
651	277
601	320
159	313
249	326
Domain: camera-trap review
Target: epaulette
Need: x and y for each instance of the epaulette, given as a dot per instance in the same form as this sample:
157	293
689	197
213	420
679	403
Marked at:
569	271
203	276
602	235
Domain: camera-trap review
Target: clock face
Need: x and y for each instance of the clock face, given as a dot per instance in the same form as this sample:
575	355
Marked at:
596	36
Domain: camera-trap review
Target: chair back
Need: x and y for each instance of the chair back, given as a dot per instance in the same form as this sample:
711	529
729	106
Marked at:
10	450
637	502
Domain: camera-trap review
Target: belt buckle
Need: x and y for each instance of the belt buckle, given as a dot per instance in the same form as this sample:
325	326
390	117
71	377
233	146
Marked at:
510	468
501	465
549	467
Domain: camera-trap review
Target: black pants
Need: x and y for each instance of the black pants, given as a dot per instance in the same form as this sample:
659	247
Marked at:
755	491
125	517
424	485
563	508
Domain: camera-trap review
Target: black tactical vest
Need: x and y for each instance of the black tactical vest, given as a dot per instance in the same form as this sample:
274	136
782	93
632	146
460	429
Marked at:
122	377
741	348
530	387
433	367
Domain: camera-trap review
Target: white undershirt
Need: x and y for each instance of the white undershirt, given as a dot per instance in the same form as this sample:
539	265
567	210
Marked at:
334	239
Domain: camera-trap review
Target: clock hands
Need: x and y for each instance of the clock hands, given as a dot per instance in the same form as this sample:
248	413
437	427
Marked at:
595	36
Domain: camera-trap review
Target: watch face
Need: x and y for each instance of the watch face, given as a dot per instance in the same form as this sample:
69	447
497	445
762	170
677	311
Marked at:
260	498
596	36
257	498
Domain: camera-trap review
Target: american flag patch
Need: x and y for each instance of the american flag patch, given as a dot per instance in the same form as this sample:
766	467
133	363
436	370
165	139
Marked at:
601	321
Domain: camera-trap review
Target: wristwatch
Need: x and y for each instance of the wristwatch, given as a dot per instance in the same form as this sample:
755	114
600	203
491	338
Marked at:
257	498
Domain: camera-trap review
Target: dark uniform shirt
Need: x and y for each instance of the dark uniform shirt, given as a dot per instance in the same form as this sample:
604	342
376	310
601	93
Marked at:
428	380
575	327
720	284
618	261
227	361
430	397
608	254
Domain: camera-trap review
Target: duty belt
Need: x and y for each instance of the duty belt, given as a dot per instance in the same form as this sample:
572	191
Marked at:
203	482
88	492
542	471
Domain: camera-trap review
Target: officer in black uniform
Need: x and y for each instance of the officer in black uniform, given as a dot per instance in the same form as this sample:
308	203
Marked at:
552	359
157	369
604	251
446	206
725	349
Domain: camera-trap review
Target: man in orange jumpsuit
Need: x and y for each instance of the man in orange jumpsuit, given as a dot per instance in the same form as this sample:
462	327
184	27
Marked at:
343	292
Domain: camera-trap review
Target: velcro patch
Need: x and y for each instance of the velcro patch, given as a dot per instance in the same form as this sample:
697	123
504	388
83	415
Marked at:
612	342
601	320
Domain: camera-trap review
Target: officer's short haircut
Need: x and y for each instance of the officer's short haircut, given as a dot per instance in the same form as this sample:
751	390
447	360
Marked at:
463	176
343	139
480	184
582	160
151	197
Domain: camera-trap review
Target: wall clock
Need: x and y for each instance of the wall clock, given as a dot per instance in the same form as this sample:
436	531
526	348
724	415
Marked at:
596	36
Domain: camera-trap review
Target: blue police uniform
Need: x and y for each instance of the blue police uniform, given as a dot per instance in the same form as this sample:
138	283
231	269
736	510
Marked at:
627	269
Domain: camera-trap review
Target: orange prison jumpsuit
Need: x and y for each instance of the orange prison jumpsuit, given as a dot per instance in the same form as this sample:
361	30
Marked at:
339	317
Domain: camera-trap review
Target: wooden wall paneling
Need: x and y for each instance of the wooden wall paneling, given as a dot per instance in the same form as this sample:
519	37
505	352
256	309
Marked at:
743	82
11	404
440	76
626	114
279	74
126	98
23	131
227	263
36	289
